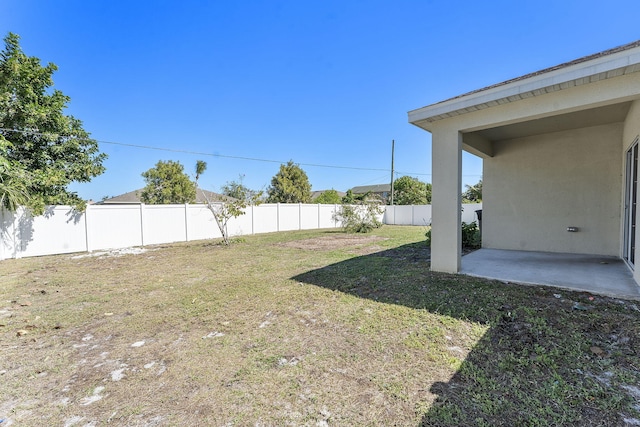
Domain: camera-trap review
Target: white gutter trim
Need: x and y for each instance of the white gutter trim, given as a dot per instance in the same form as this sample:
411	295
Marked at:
572	75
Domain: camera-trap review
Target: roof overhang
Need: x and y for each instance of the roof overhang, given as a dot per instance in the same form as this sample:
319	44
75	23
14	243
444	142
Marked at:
602	66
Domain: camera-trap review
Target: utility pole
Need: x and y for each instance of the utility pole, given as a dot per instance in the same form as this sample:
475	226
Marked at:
393	143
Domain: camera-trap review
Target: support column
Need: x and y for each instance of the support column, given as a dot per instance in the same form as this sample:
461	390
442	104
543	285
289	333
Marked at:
446	243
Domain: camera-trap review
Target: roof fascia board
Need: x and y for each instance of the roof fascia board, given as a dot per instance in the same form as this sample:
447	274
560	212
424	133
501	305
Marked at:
580	73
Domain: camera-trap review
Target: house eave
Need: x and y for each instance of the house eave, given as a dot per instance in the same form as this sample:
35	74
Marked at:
623	62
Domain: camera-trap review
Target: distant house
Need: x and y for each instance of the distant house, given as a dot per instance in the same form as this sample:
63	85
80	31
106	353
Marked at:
133	198
381	190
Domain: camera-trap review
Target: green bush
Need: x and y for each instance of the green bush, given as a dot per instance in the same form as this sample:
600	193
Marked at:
471	238
359	218
328	197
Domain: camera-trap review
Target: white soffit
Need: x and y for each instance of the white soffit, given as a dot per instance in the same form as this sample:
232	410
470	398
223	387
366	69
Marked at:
623	60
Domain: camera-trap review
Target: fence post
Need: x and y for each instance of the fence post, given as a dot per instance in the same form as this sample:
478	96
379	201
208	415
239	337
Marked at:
2	245
87	237
142	224
186	222
319	215
4	253
16	224
412	214
253	220
278	216
299	216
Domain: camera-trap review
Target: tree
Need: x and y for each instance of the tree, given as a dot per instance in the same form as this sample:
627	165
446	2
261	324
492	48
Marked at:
167	183
348	198
224	211
354	199
42	149
13	181
473	193
238	190
289	185
201	166
329	197
411	191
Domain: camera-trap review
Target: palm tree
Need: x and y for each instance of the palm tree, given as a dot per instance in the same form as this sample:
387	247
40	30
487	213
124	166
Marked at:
473	193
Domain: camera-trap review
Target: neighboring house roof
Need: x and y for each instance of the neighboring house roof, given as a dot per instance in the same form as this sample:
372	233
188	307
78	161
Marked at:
133	197
589	69
315	194
130	197
377	188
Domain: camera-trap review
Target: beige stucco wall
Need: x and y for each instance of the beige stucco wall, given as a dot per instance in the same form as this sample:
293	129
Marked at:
631	128
446	200
536	187
630	132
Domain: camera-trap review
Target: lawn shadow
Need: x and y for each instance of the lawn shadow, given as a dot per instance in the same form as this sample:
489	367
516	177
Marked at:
541	361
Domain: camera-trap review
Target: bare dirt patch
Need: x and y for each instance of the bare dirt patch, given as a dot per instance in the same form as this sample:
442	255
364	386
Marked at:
113	253
336	241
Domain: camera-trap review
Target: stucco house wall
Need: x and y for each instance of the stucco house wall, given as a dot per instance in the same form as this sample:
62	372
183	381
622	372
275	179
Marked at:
567	178
631	132
631	128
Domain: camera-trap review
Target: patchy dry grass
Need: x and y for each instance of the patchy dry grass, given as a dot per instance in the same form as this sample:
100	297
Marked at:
304	329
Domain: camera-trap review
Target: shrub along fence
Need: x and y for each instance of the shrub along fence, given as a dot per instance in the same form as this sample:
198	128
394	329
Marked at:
61	230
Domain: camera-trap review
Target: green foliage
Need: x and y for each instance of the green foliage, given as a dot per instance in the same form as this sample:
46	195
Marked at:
329	197
201	166
238	190
471	238
167	183
411	191
43	150
359	218
349	198
473	194
289	185
13	181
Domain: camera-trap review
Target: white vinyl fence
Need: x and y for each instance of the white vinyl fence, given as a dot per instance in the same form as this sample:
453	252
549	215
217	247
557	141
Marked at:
61	230
421	214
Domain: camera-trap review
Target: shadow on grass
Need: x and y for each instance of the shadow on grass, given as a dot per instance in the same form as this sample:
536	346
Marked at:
541	362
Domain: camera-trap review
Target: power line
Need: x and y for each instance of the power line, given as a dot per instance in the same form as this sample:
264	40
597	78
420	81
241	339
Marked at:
254	159
378	179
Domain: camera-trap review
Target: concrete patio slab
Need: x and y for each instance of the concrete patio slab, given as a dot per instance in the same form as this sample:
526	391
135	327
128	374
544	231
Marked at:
590	273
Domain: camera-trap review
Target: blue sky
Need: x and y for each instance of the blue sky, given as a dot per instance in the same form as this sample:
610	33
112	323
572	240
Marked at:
317	82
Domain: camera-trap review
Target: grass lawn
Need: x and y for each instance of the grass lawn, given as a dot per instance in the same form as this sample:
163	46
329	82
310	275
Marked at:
310	328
